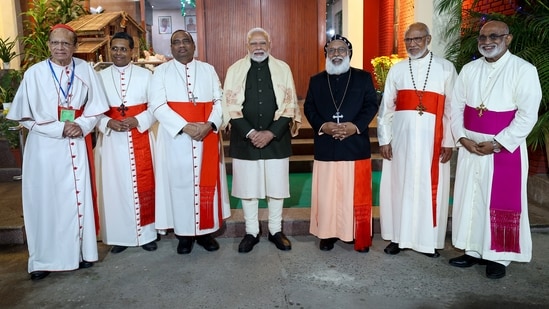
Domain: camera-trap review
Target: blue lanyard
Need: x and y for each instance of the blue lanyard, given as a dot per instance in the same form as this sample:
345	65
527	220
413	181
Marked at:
59	83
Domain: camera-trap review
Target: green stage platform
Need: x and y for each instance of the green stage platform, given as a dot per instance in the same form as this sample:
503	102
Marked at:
300	191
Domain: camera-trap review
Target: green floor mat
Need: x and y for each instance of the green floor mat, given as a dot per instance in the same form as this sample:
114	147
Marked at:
300	191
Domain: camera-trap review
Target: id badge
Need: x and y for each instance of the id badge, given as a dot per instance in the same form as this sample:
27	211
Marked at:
67	115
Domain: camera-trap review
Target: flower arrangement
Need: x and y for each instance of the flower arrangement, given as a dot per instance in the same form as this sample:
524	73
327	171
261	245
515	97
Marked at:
382	64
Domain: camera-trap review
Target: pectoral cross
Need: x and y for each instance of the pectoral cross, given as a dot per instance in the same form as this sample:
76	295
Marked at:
481	108
122	109
193	99
337	116
420	108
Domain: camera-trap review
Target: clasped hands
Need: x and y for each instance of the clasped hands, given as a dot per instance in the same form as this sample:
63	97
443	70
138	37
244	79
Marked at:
481	149
339	131
261	139
72	130
123	125
197	130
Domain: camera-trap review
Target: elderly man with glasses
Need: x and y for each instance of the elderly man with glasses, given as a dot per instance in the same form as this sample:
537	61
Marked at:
59	102
416	145
341	101
495	106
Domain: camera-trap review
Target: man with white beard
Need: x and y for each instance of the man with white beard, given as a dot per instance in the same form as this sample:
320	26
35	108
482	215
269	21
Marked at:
416	144
495	106
260	108
340	104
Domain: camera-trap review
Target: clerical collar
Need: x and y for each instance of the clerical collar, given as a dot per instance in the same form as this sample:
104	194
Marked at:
121	69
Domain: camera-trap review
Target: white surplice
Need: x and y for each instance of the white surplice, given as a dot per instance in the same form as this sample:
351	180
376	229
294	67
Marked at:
119	205
406	214
178	157
505	85
57	196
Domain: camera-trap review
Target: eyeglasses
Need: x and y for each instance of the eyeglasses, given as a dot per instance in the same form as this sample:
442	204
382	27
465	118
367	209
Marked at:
340	50
417	39
258	44
119	49
182	42
60	43
493	37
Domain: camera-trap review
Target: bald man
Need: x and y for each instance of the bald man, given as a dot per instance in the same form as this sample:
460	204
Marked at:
495	106
416	144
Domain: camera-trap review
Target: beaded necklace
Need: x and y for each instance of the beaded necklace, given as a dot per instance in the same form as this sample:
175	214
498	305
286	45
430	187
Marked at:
338	115
420	108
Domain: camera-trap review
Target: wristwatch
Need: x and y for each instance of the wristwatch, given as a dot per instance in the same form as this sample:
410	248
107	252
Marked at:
495	146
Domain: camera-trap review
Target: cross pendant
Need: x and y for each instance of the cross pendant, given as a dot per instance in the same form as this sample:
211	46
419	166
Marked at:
481	108
122	109
337	116
193	99
420	108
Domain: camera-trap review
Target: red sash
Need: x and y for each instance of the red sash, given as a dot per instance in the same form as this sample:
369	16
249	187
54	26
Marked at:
143	162
362	200
91	165
434	104
209	173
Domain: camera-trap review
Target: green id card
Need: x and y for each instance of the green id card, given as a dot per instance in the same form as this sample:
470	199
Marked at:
67	115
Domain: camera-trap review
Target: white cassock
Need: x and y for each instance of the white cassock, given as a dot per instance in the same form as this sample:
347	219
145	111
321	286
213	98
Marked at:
178	158
406	201
124	162
57	195
508	84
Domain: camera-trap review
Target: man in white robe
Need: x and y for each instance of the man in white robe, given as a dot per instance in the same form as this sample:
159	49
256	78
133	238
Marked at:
416	144
495	106
191	183
59	102
124	153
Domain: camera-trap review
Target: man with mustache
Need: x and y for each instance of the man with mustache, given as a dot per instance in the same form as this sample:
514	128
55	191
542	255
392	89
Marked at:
495	106
191	184
260	107
341	102
416	144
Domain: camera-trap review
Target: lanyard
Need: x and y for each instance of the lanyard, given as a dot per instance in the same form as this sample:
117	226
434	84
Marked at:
59	82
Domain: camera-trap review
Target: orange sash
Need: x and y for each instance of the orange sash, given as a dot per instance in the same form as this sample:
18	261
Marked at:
143	162
209	173
434	104
362	200
91	166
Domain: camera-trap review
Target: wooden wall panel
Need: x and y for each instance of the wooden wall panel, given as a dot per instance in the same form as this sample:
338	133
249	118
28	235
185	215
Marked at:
293	26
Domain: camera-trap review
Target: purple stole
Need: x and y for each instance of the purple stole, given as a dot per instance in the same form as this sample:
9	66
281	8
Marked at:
505	197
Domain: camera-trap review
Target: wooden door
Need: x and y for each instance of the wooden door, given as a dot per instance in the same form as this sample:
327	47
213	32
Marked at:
297	30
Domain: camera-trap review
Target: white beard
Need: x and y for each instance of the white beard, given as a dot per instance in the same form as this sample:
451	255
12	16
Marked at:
419	54
259	58
491	54
337	69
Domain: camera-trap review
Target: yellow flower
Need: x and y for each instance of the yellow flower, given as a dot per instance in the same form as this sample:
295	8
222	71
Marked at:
382	64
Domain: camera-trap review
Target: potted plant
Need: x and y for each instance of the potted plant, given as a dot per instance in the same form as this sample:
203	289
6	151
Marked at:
8	86
7	51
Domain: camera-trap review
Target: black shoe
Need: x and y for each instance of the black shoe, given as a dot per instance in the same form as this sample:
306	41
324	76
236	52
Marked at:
363	250
432	255
118	249
208	242
327	244
495	270
464	261
85	264
150	246
247	243
185	245
281	241
392	249
39	275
